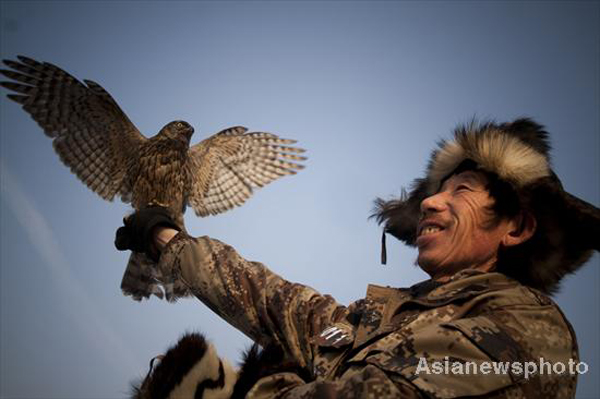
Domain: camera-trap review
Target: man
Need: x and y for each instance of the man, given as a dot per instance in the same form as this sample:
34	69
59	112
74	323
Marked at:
495	231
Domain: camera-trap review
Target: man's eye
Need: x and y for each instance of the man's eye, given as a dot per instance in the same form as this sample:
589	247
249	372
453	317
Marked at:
463	187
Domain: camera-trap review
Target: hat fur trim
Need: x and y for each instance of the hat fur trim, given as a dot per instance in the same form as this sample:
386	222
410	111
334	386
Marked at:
493	150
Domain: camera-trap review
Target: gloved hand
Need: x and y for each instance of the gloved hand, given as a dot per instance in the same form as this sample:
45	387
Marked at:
137	233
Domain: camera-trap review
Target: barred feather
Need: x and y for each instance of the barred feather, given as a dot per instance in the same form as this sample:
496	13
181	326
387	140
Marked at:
91	134
231	164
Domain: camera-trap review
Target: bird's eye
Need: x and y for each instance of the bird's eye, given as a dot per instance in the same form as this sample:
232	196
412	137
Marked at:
179	124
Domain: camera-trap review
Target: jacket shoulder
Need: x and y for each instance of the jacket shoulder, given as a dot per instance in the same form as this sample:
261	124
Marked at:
476	341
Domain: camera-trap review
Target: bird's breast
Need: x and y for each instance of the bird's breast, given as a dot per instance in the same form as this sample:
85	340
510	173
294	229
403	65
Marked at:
163	175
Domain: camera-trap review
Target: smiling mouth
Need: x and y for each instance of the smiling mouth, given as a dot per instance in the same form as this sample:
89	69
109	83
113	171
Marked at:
429	227
429	230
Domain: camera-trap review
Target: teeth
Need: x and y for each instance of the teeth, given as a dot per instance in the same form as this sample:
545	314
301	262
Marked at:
430	230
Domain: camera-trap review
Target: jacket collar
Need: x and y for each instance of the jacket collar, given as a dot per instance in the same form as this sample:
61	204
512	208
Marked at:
467	282
383	303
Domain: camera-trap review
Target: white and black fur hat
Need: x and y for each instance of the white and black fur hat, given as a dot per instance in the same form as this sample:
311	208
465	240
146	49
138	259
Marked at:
517	154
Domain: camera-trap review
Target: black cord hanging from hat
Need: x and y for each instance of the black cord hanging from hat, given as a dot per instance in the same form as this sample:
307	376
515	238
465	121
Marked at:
383	249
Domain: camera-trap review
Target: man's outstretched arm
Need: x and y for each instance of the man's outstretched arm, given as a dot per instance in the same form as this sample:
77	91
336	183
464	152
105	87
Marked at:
247	294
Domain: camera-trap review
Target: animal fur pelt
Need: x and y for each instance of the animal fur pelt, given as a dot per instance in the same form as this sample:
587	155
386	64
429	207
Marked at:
192	369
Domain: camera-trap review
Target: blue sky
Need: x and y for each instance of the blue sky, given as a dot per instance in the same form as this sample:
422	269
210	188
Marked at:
366	88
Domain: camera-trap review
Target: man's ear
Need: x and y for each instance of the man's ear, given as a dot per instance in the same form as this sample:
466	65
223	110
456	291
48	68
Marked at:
520	230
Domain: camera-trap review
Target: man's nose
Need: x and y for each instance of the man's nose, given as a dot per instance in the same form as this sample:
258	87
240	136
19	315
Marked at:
433	203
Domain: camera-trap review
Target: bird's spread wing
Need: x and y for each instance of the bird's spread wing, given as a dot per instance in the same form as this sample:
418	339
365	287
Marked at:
230	164
90	132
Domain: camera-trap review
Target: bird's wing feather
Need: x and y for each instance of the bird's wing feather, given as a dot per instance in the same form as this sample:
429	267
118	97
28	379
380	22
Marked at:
228	166
90	132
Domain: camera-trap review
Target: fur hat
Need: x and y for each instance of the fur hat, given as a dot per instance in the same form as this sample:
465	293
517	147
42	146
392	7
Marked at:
517	153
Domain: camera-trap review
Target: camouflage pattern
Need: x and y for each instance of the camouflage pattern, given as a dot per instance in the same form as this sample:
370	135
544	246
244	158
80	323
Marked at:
375	347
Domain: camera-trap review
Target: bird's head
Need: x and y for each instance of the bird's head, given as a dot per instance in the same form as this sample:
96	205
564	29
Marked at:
178	130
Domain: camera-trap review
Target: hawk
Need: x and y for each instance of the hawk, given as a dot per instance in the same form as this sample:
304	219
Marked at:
103	148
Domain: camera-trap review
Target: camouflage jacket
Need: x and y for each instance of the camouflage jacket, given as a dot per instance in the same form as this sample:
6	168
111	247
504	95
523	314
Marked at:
429	340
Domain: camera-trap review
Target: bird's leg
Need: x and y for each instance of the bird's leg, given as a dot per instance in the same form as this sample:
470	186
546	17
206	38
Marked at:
178	219
176	216
156	203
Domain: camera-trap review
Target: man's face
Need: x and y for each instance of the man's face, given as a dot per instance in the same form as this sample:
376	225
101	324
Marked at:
456	230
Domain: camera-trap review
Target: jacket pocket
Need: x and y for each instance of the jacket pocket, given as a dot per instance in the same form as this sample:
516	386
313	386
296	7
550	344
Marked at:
440	360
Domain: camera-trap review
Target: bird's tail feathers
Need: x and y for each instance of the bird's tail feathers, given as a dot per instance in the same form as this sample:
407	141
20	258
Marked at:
142	279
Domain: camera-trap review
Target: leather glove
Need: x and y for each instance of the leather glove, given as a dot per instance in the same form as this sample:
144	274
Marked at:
137	233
